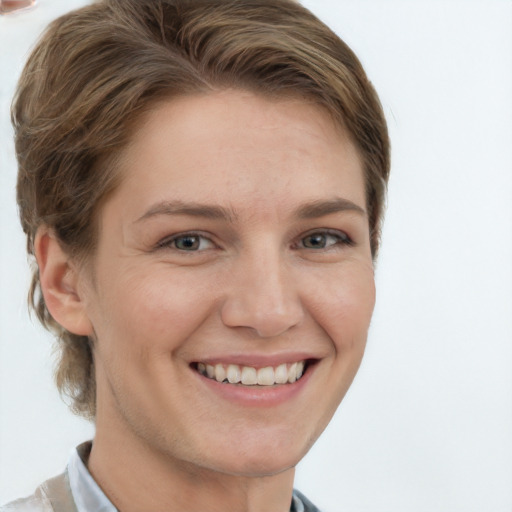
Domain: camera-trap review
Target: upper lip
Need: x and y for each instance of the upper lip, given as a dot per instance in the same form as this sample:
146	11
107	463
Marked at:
258	360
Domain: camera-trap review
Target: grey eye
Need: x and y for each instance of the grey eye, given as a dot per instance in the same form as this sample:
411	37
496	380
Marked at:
187	243
316	241
324	240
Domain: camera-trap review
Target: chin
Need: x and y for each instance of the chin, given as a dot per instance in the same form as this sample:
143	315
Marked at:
262	459
258	467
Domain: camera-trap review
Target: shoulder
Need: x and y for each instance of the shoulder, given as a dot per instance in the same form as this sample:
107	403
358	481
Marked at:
37	502
47	495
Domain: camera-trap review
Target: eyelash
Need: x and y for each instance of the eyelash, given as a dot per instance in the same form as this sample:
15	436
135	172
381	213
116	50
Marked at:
169	242
340	237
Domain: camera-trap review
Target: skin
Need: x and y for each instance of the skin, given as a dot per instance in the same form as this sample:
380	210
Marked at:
256	288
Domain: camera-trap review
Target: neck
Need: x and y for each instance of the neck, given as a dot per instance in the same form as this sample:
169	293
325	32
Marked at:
136	477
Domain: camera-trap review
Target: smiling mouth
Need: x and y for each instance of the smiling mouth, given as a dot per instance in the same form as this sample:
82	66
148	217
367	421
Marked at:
286	373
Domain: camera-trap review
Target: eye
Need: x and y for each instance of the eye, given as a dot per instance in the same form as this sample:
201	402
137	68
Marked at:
325	240
188	242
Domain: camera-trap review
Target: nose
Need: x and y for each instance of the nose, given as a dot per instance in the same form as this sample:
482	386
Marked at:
263	297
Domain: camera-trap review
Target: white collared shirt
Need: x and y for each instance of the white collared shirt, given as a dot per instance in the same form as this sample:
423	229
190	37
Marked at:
86	492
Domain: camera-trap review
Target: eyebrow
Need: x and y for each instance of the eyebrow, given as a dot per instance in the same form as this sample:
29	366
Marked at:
310	210
192	209
321	208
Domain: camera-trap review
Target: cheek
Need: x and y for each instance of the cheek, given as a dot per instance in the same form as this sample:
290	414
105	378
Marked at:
343	306
152	311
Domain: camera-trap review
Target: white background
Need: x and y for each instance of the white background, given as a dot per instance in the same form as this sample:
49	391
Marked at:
427	425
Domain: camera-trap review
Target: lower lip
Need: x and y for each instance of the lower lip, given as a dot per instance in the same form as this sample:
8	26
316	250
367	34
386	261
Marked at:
257	396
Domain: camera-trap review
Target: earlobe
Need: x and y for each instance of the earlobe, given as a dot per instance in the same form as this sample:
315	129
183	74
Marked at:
59	280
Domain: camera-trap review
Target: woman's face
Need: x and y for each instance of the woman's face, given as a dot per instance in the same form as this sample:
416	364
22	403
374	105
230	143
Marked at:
236	247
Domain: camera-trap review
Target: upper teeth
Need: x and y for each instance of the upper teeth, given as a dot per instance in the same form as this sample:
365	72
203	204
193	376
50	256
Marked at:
250	376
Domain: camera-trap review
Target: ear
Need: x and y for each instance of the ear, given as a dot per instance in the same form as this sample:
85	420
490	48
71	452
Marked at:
59	279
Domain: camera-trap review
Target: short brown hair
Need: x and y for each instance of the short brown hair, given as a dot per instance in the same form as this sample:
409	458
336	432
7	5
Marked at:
96	70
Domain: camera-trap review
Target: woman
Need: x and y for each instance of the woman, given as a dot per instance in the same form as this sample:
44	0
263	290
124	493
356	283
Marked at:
202	185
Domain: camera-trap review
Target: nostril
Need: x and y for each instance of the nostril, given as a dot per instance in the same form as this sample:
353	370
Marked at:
266	319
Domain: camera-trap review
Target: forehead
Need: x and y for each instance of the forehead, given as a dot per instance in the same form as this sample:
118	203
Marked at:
234	145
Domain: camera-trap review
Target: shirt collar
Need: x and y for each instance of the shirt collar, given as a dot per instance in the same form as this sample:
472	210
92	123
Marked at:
87	494
297	505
